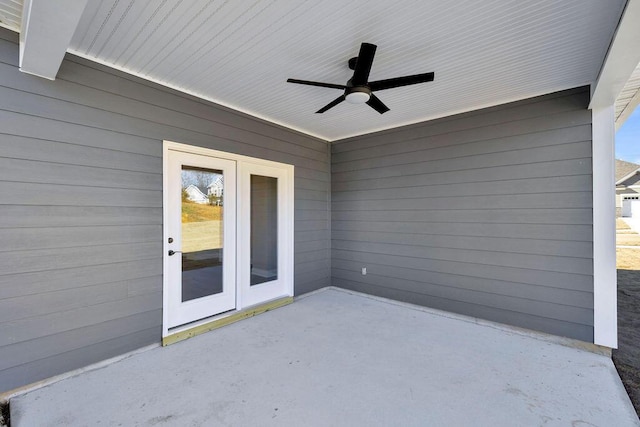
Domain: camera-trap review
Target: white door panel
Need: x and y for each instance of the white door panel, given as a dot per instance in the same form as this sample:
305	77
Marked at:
201	254
265	224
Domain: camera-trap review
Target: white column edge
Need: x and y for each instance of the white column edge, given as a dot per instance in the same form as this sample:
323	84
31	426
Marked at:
605	310
45	34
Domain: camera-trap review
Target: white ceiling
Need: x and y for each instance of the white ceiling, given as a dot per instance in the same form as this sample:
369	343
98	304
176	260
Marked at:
240	53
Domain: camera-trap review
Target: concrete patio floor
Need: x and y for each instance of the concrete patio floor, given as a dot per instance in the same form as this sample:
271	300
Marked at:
339	358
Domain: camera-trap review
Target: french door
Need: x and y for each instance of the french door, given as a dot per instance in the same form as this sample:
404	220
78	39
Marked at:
228	233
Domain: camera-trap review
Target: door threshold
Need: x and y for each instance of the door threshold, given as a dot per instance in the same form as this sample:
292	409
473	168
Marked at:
183	333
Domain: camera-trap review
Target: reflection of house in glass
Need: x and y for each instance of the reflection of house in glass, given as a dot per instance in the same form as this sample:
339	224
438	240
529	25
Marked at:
215	190
627	186
196	195
194	184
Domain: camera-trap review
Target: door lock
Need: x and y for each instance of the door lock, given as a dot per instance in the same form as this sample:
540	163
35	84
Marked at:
171	252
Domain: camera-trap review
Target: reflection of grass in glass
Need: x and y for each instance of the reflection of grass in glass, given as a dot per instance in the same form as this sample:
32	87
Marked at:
202	227
194	212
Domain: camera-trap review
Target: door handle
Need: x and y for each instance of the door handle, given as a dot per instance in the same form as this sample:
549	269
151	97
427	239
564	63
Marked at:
174	252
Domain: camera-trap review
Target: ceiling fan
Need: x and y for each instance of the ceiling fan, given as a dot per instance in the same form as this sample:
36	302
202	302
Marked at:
359	89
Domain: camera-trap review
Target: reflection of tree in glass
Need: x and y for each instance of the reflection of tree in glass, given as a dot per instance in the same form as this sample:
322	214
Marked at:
198	177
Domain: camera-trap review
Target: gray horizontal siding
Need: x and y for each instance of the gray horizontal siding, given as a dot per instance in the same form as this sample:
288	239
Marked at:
520	172
34	238
87	354
572	281
28	352
577	233
81	208
572	151
28	171
487	213
487	256
460	282
558	184
508	245
493	216
489	123
71	216
43	282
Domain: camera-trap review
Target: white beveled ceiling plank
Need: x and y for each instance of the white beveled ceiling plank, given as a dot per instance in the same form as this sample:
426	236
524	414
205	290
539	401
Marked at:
11	14
240	54
45	33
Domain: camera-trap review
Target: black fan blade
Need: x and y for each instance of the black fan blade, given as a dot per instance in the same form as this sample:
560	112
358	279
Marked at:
401	81
306	82
332	104
375	103
363	64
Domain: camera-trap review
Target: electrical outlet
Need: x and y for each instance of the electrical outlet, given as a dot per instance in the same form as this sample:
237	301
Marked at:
364	271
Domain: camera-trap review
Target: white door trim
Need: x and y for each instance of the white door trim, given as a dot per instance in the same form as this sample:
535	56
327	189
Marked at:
287	227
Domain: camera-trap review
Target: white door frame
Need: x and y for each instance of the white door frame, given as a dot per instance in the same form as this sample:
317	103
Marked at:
244	297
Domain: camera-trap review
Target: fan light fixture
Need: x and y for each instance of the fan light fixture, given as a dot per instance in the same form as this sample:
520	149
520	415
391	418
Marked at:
357	97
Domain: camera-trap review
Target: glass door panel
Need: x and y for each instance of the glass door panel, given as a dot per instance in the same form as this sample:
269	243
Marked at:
264	229
202	219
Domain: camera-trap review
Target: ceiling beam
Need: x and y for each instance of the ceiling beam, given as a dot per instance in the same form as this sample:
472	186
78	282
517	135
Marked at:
621	60
46	31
